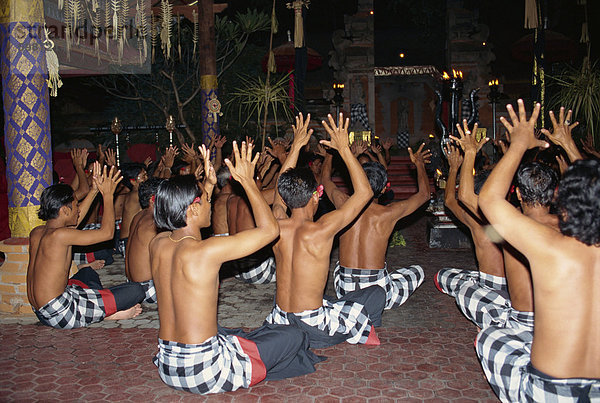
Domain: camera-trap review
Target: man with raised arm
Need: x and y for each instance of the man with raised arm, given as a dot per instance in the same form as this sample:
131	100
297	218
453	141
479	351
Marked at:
363	246
559	361
489	255
142	231
69	303
195	354
303	249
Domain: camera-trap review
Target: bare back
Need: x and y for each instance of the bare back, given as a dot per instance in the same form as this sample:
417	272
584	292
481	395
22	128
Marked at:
516	266
567	309
302	254
219	215
187	287
130	208
49	264
142	231
364	244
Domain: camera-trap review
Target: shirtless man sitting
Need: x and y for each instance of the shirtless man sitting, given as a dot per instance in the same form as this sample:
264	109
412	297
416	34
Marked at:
195	354
219	206
559	361
363	246
142	231
490	260
304	246
135	174
66	303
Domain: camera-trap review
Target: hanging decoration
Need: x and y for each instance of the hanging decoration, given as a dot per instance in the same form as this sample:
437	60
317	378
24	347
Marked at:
531	14
214	107
179	36
142	30
107	20
96	30
298	25
67	12
154	34
54	81
165	31
196	30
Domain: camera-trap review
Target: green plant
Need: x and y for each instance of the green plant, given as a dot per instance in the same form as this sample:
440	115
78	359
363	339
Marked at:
579	90
256	95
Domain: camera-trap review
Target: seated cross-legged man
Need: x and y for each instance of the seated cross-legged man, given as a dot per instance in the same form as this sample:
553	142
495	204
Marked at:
490	260
141	232
77	302
363	246
558	362
195	354
303	250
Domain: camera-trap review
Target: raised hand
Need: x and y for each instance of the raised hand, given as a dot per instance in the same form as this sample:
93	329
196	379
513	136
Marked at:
189	154
387	143
249	141
562	163
455	158
169	157
421	156
588	146
338	133
278	149
561	130
361	147
78	155
107	182
301	132
100	153
211	176
243	171
521	130
468	140
376	148
96	172
110	157
147	162
220	141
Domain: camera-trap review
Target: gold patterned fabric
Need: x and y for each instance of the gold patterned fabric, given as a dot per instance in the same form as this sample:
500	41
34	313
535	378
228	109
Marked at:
22	220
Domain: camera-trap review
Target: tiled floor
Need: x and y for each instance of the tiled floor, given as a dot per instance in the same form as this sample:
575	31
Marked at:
426	351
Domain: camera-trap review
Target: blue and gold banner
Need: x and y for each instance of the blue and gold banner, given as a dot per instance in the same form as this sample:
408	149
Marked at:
27	118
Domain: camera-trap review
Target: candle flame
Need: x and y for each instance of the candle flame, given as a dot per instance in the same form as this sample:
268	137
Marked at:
445	76
437	171
336	86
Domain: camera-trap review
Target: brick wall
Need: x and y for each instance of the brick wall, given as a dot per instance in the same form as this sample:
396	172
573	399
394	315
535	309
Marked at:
13	277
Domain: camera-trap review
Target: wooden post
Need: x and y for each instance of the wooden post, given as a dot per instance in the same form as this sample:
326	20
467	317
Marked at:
208	68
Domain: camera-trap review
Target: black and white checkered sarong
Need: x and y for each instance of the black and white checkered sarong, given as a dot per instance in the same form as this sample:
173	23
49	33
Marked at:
77	307
483	298
220	364
505	356
333	318
85	258
449	280
149	291
358	113
398	285
264	273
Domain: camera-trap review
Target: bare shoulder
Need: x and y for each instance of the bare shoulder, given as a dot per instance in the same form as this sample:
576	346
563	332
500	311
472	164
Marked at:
159	239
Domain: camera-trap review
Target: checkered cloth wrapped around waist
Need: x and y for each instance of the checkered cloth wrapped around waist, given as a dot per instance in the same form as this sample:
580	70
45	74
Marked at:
333	317
77	306
449	280
220	364
505	356
398	285
263	273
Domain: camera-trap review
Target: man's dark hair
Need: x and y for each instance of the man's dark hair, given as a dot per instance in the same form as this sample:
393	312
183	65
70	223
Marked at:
53	198
579	202
377	176
131	171
296	187
173	197
178	165
148	189
536	183
223	176
479	180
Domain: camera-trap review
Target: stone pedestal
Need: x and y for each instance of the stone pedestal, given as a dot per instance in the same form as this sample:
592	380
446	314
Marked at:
13	277
447	235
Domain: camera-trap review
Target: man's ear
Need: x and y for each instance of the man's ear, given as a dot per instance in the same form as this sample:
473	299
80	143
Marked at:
65	210
518	192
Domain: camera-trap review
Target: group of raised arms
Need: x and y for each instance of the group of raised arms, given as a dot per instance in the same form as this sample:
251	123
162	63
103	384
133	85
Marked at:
192	217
